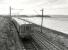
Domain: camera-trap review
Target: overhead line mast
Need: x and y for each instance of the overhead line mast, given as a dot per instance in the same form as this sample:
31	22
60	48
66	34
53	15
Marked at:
42	20
13	9
10	11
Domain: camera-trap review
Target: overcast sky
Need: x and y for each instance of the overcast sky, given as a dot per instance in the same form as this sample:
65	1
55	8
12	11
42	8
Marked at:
58	7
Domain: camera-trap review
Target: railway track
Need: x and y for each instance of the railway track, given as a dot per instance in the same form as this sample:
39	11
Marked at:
30	44
45	43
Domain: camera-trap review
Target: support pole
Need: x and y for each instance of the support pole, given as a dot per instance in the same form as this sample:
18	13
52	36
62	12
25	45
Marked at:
42	20
10	10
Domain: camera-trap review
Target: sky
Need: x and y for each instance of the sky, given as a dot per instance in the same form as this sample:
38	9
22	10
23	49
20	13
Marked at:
51	7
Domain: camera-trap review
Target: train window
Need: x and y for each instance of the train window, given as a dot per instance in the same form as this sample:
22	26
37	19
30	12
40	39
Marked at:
24	28
30	27
27	28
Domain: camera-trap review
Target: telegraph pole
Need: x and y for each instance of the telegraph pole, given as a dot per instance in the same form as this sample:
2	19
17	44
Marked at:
42	20
10	10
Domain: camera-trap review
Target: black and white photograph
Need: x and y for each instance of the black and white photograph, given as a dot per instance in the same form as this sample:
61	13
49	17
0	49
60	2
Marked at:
33	24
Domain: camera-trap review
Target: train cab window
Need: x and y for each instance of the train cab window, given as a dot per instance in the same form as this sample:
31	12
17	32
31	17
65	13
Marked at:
24	28
27	28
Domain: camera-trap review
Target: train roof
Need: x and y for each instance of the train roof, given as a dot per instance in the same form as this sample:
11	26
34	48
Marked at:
21	22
